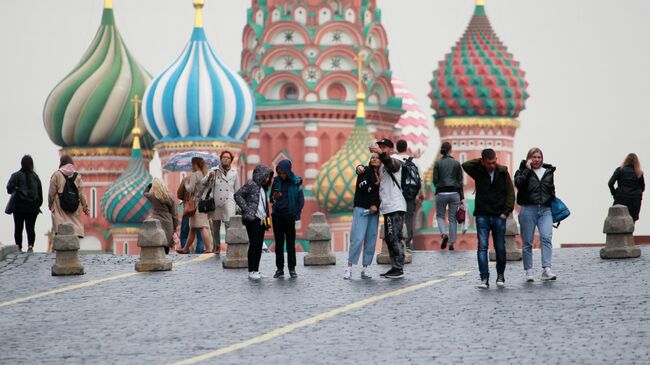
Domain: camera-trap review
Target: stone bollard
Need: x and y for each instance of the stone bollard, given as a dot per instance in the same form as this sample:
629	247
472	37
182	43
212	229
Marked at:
152	241
384	258
320	242
237	243
619	227
66	245
513	252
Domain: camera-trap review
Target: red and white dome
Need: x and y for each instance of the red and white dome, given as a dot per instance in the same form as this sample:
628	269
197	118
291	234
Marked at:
413	126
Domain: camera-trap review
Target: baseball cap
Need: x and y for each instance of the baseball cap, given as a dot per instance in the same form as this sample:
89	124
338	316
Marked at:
386	142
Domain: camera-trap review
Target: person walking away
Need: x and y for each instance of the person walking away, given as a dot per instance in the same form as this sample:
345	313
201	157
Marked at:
25	202
225	181
65	197
187	208
448	180
163	209
253	202
365	218
288	200
627	185
393	205
411	184
199	222
495	200
535	191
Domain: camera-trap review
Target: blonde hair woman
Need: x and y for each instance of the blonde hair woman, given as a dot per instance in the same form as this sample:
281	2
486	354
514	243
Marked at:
163	209
630	185
199	222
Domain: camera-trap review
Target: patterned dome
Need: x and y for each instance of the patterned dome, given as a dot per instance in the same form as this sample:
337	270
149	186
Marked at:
478	77
91	106
123	202
413	125
198	97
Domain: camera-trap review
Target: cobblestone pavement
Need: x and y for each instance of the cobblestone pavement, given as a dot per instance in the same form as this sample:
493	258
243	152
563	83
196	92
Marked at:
598	312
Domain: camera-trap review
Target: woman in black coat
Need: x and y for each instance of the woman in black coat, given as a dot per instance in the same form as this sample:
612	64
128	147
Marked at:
630	185
25	202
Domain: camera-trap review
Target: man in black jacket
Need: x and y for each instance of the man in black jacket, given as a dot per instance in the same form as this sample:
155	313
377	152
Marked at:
495	200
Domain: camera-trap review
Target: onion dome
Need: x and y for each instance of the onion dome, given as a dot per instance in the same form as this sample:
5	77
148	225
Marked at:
198	97
90	106
478	78
123	202
336	180
413	126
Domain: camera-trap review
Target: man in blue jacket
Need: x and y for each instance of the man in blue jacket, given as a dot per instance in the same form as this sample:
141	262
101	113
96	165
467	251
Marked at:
288	200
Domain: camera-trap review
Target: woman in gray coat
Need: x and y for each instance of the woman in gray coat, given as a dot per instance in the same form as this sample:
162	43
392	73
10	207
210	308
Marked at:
448	179
164	209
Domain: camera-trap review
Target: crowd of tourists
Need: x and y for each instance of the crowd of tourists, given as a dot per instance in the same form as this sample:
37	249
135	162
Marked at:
390	185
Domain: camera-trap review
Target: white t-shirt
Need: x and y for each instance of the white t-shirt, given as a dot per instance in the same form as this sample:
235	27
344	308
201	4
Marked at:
539	172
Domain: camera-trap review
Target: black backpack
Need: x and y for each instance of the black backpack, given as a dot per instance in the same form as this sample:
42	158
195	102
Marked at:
411	183
69	198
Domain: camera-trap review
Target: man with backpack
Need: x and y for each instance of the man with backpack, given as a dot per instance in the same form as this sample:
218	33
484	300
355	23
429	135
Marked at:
65	197
411	185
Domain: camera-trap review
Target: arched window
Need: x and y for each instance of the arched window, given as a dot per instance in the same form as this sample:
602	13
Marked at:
336	91
126	248
289	92
93	202
463	158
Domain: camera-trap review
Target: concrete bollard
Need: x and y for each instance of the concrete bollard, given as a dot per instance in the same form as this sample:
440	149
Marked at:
320	242
66	245
384	258
513	252
619	228
237	243
152	241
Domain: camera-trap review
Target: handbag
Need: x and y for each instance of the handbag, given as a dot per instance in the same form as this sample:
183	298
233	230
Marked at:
11	204
559	210
189	207
461	213
207	205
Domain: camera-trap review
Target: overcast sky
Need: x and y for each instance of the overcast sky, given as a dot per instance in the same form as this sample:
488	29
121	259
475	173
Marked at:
587	62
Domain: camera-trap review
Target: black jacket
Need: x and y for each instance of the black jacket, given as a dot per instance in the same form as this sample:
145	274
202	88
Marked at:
367	191
629	185
28	192
448	176
494	197
532	190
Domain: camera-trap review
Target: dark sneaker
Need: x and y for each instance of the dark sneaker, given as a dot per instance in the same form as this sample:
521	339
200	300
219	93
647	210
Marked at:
396	274
391	271
445	239
31	249
278	274
485	284
451	247
501	281
293	274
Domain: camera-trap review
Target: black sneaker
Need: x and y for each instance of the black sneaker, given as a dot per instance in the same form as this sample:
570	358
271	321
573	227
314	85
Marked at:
293	274
451	247
501	281
30	249
396	274
391	271
485	284
278	274
445	239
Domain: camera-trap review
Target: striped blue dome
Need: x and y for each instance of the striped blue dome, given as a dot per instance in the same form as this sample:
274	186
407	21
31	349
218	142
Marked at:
198	98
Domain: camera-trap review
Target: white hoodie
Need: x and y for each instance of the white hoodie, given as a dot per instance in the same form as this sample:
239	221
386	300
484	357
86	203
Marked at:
390	193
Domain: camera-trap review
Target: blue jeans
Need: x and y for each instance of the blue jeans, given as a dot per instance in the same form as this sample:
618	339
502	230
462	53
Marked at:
363	233
496	224
185	232
539	216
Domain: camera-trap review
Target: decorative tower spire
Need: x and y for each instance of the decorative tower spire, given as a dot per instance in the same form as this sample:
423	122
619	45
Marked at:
136	131
361	95
198	15
480	2
108	4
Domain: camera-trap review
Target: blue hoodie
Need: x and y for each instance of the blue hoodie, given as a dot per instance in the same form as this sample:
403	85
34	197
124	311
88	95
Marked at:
292	200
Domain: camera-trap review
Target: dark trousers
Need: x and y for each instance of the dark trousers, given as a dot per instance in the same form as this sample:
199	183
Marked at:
393	224
284	229
410	212
484	225
27	221
255	232
633	205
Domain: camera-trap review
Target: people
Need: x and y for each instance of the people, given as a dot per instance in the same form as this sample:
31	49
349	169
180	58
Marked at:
224	181
25	202
393	205
627	185
163	209
253	201
65	197
288	200
448	180
199	221
365	218
187	208
495	200
411	184
535	191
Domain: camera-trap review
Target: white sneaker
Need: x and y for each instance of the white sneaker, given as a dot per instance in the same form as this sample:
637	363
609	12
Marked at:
365	274
253	275
261	275
348	274
529	276
547	274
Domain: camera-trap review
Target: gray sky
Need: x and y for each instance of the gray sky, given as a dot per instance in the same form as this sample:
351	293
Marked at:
587	62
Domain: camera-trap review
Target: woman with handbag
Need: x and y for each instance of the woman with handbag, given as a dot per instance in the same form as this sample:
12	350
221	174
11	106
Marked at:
25	202
199	221
448	180
535	191
163	209
630	185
